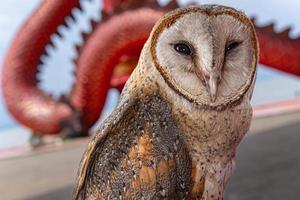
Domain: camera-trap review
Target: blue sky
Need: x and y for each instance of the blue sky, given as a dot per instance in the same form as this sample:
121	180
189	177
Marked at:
14	12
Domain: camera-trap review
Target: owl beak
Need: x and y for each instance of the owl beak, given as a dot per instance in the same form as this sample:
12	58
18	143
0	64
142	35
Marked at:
212	87
210	81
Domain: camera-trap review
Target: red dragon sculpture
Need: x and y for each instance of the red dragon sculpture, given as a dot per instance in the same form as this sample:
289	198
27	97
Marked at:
106	60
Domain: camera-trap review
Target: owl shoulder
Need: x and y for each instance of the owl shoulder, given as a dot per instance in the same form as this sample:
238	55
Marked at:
130	120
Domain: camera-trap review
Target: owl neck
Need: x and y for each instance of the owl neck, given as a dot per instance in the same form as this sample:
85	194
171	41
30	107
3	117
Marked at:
213	133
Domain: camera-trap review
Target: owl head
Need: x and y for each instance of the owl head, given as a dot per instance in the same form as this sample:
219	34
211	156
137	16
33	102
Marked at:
207	54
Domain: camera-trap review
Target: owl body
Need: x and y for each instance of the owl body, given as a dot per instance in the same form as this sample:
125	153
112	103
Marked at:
178	123
212	137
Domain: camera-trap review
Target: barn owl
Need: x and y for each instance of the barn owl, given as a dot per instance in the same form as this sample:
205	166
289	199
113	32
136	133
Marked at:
181	114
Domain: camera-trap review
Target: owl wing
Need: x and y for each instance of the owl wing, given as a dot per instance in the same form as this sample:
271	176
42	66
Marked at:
111	124
139	154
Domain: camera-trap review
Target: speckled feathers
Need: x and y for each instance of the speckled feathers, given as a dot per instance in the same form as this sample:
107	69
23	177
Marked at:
169	137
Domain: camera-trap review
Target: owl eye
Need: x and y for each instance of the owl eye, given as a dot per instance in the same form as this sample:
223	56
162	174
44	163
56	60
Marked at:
231	46
183	49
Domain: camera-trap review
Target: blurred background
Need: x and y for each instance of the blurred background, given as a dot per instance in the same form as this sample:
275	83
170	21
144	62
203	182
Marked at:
268	158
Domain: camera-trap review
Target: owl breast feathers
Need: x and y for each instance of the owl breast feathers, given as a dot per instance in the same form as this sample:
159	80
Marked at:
181	114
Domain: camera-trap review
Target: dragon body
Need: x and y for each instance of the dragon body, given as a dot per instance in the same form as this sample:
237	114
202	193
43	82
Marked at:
106	59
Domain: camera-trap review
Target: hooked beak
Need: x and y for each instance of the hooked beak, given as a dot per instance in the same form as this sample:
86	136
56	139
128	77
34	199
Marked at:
212	86
211	82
